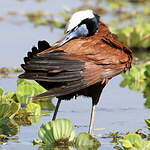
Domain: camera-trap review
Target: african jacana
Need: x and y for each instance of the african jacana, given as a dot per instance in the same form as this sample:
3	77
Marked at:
79	64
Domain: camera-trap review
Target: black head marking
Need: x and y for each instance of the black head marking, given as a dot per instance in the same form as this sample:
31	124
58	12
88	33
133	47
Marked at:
92	24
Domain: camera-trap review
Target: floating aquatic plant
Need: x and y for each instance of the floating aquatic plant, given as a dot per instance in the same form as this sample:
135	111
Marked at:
86	141
59	133
5	72
9	110
136	36
138	79
26	89
148	123
133	141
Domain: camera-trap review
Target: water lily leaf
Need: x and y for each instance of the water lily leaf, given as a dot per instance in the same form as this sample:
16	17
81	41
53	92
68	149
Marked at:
56	132
125	143
22	118
147	71
27	89
9	110
46	104
8	95
34	109
134	141
13	109
59	133
148	123
24	94
146	145
118	148
40	22
13	126
4	128
1	93
62	128
45	147
72	136
136	36
8	127
85	139
46	134
37	142
34	119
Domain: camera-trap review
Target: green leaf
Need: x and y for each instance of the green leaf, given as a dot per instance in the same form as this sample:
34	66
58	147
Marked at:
62	128
46	134
34	109
136	36
118	148
9	110
133	141
147	71
1	93
27	89
35	112
8	127
58	131
148	123
4	128
125	143
85	139
8	96
37	142
40	22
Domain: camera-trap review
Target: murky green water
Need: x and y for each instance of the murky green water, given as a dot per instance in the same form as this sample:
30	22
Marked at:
119	109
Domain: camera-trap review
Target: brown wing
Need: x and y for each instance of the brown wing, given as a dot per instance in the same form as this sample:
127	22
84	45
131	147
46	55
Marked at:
66	73
82	63
62	72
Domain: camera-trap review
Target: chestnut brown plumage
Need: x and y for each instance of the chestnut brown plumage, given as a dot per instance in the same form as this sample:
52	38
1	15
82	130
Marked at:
81	66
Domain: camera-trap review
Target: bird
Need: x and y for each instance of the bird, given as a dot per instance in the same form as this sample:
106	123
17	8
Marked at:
79	64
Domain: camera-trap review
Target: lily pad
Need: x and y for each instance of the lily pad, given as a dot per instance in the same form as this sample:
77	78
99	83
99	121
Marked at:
86	140
9	110
35	112
27	89
1	93
133	141
57	132
34	109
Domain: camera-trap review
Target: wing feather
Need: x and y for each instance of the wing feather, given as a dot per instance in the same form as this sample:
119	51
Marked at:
62	72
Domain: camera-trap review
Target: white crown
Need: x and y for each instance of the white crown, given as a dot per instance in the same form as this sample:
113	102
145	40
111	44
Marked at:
78	17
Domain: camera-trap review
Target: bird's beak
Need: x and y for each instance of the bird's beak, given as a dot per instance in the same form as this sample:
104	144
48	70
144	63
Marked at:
68	37
77	33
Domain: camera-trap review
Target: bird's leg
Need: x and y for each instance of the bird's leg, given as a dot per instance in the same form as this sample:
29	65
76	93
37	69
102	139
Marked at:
96	91
91	127
56	109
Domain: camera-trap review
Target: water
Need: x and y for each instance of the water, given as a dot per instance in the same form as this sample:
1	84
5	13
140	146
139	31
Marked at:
119	108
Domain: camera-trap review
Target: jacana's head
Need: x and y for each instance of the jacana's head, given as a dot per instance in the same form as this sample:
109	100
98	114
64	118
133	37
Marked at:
82	24
86	20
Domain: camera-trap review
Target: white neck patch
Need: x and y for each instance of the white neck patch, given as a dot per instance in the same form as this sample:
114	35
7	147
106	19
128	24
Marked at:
78	17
